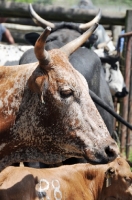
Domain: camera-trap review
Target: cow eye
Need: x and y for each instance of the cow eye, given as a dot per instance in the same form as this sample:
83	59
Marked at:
114	66
66	93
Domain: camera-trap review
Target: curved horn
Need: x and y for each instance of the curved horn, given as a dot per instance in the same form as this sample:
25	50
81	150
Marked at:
75	44
84	27
38	20
41	54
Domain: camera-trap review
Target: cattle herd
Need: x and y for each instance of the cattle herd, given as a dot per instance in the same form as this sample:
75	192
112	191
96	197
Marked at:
56	111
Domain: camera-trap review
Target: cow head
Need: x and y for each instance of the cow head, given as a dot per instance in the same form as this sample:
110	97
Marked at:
65	114
119	176
116	81
113	74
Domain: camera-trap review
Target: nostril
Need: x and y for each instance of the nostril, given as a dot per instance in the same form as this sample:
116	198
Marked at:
111	152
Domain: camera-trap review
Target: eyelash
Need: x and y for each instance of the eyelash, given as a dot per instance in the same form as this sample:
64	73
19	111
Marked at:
66	93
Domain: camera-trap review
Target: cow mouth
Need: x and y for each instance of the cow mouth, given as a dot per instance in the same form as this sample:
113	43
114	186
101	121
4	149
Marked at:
121	94
104	156
96	159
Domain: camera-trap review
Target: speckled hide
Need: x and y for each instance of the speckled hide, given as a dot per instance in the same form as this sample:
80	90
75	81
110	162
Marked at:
47	115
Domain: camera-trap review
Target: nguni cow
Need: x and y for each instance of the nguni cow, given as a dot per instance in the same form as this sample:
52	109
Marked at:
72	182
93	72
89	65
115	80
46	112
113	74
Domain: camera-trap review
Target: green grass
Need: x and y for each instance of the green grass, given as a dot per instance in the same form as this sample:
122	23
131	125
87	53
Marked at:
130	155
98	3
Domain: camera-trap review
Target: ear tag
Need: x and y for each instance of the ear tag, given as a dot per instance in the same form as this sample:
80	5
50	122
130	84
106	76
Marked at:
108	181
42	99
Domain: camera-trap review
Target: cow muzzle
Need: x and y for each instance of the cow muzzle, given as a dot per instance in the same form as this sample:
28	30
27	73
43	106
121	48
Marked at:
102	155
122	94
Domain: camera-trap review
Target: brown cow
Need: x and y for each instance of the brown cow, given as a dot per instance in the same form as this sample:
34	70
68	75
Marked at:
69	182
46	113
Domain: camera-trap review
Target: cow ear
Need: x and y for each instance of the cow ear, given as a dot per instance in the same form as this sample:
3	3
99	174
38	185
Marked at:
36	84
110	172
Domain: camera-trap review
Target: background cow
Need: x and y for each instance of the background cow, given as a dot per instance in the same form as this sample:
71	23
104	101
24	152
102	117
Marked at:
113	74
109	181
115	78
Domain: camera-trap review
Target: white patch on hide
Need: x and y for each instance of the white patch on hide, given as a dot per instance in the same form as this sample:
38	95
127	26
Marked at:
2	146
1	104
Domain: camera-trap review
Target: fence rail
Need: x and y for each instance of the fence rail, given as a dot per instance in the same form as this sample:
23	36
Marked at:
20	10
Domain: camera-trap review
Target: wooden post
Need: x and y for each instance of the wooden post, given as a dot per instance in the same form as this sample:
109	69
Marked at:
128	29
129	135
116	30
125	136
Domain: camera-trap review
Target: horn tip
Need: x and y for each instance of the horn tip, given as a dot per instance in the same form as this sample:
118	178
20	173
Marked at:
48	28
100	13
30	5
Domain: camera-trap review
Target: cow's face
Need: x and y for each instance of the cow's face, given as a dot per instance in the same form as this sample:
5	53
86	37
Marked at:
67	115
56	118
116	81
120	176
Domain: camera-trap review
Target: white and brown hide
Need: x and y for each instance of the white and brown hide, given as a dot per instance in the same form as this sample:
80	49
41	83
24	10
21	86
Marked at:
46	112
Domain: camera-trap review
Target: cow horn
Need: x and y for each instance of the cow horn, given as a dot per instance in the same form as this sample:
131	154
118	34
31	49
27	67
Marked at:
85	26
75	44
38	20
41	54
